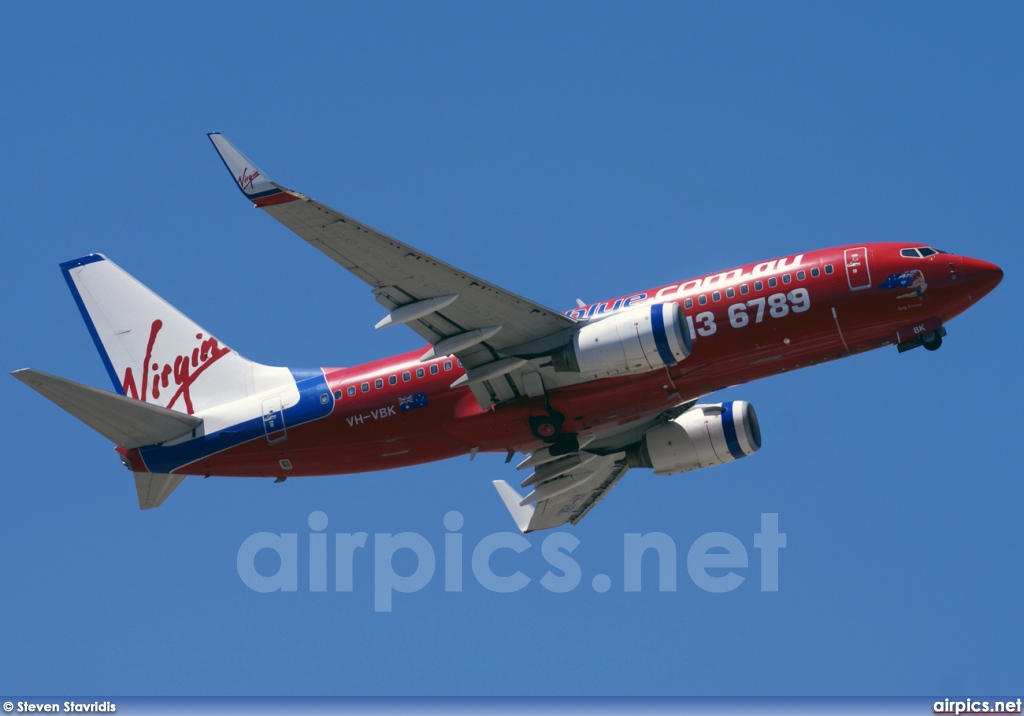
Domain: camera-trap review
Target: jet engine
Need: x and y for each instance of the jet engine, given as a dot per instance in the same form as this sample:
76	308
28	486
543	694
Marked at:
703	436
636	340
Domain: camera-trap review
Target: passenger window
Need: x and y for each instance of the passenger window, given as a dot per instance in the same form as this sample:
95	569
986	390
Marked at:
773	282
406	377
729	293
702	300
786	278
800	275
716	296
828	268
744	289
758	285
419	373
365	387
392	380
337	395
433	369
447	365
688	303
379	383
815	272
351	390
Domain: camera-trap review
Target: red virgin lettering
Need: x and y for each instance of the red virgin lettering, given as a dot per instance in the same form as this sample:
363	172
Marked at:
180	369
246	180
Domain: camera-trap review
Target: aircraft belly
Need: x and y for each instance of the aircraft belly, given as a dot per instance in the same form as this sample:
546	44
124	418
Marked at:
332	447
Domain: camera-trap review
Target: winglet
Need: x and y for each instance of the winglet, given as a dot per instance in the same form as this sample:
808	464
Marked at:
521	514
251	180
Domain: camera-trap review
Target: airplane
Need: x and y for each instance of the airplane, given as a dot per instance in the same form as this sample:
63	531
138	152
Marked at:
587	394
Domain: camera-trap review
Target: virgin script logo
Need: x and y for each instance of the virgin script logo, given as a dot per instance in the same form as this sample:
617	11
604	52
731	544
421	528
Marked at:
179	373
246	180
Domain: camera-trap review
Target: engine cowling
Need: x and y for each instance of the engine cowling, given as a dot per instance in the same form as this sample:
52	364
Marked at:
636	340
703	436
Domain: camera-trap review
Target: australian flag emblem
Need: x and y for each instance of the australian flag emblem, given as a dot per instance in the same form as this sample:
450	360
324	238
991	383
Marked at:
900	280
411	402
913	280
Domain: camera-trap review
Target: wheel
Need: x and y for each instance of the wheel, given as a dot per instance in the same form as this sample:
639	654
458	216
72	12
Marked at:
547	427
931	340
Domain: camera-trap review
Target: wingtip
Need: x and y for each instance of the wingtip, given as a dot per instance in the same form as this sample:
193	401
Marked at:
521	514
82	261
249	178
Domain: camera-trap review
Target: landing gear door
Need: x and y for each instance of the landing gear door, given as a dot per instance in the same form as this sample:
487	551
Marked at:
273	420
857	273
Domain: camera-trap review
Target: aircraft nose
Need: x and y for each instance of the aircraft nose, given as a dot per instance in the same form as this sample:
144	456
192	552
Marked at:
981	276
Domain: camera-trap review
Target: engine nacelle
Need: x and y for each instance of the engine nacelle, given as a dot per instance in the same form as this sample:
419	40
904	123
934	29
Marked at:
703	436
636	340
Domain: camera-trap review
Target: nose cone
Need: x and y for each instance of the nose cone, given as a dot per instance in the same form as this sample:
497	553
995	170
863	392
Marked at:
980	277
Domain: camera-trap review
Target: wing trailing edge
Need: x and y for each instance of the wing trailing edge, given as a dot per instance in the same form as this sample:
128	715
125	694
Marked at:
566	497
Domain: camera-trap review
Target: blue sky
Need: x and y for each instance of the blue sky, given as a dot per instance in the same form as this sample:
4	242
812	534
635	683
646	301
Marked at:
560	150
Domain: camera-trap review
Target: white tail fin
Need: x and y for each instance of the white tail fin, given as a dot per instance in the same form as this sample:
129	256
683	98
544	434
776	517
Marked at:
154	353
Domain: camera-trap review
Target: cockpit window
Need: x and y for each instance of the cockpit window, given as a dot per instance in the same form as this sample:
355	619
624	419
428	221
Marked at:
923	252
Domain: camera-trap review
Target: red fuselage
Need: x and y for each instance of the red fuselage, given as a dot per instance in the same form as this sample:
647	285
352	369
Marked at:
747	323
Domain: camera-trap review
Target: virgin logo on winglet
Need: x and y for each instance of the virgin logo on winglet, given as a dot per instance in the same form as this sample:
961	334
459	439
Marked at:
246	180
181	372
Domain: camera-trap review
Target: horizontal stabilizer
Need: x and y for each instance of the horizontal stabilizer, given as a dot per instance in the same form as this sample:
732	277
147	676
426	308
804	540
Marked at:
153	488
127	422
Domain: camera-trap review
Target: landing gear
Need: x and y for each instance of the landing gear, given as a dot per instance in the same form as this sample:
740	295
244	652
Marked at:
566	444
547	427
931	340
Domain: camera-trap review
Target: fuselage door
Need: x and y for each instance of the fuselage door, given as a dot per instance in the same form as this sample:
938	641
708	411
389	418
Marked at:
273	420
857	274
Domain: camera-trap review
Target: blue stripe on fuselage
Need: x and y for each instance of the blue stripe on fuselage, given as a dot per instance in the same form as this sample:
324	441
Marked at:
311	384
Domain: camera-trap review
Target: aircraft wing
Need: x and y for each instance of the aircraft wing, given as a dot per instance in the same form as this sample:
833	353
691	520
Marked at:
568	496
565	487
456	312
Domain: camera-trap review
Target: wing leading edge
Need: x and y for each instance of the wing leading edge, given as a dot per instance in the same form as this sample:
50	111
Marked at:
458	313
475	320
